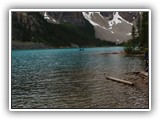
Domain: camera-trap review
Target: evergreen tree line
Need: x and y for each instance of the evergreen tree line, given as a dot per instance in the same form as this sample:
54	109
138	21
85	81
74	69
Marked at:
35	28
140	35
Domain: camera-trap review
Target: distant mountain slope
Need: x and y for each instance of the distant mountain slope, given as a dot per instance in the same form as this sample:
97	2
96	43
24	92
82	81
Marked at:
109	26
66	29
112	26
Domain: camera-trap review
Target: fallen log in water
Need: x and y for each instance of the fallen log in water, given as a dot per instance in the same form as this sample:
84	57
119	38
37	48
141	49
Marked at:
120	80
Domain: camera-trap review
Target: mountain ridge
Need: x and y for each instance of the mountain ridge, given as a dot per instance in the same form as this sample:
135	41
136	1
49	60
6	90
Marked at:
62	29
116	25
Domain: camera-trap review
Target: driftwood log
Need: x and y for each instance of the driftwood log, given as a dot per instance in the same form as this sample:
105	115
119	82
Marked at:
120	80
144	73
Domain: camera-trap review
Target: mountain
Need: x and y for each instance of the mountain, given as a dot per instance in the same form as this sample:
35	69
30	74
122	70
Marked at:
36	27
112	26
65	29
75	18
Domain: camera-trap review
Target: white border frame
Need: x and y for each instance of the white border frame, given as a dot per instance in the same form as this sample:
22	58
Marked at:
78	10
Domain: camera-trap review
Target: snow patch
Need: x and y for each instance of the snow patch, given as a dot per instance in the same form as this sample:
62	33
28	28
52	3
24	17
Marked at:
89	18
129	33
117	19
54	20
46	16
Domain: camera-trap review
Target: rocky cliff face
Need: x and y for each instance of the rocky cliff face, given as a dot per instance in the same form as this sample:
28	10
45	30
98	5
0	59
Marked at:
24	24
75	18
112	26
53	29
109	26
68	28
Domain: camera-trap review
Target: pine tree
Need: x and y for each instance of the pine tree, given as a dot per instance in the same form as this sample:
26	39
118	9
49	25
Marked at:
138	23
144	30
133	32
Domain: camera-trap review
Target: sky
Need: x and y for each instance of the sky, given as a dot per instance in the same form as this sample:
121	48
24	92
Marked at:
61	4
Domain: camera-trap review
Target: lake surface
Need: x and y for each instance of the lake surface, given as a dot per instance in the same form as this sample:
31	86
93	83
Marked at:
69	78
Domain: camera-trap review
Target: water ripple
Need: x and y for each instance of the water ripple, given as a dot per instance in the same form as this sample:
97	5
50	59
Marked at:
65	78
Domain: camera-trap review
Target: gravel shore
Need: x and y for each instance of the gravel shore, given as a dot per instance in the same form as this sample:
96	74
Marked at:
18	45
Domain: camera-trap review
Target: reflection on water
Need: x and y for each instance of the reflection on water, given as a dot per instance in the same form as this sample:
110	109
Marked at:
69	78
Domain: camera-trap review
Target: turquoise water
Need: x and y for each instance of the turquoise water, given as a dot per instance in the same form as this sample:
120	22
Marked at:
69	78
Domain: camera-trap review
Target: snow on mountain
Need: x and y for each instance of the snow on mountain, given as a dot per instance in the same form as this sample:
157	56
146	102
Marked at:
110	29
46	16
49	18
90	16
108	26
116	19
129	33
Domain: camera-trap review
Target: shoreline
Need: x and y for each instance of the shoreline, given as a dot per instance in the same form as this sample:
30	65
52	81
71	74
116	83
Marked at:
141	81
18	45
122	53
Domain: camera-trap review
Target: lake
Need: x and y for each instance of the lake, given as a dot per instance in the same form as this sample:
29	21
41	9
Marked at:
69	78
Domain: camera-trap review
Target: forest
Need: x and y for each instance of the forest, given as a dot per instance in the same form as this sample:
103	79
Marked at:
34	28
140	35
